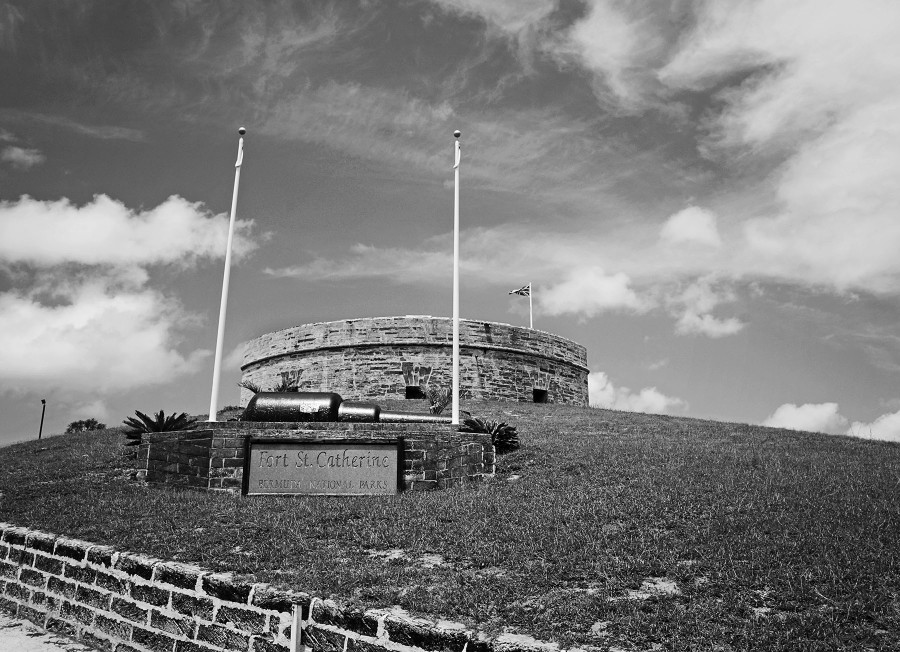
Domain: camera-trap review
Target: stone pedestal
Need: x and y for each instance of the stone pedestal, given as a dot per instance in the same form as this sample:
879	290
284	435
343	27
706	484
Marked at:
433	456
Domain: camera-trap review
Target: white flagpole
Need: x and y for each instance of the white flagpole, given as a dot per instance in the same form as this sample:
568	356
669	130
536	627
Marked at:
455	388
220	335
530	309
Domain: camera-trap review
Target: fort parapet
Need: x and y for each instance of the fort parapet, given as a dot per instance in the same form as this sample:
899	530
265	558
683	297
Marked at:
398	357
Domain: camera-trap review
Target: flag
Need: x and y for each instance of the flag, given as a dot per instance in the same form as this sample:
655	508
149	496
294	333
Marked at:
524	291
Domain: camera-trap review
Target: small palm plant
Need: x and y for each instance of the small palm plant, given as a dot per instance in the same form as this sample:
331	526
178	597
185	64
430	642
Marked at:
144	424
438	398
249	384
504	437
287	385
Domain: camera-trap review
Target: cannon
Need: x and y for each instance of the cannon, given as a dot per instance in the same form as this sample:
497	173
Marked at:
324	407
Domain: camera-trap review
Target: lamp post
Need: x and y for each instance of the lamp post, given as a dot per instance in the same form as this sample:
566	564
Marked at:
43	409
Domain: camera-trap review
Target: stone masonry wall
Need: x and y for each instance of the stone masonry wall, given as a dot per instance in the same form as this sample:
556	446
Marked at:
434	456
380	357
119	601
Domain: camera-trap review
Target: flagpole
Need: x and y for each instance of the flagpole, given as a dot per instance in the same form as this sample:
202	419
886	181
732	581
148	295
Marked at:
455	384
220	335
530	310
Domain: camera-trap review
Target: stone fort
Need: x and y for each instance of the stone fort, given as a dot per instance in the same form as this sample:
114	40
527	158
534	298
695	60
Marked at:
398	357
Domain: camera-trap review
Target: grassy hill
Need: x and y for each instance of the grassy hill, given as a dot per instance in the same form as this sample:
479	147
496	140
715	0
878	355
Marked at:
606	529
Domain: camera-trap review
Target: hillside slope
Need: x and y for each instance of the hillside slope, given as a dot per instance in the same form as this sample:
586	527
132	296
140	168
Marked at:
605	529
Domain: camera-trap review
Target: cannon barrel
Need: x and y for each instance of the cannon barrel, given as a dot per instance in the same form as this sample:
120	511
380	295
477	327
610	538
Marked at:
358	412
325	406
411	417
293	406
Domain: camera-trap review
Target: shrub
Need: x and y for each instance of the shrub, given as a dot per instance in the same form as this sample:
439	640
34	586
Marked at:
249	384
438	398
287	385
83	425
159	423
504	437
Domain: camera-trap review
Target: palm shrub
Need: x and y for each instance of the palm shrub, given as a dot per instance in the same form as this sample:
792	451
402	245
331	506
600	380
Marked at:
504	437
287	385
83	425
438	398
249	384
144	424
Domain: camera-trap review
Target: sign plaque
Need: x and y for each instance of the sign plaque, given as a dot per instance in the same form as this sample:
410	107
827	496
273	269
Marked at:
335	468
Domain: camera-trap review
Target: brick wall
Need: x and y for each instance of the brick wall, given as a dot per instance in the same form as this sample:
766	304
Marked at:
125	602
379	357
433	456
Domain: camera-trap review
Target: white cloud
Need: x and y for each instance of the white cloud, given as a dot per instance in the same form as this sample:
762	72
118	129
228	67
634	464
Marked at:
603	393
20	157
367	261
235	359
694	305
508	15
886	427
692	225
590	291
96	409
825	417
103	132
820	95
93	338
812	417
106	232
80	318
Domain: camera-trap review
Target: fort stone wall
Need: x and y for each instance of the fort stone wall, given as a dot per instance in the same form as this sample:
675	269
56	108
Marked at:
397	357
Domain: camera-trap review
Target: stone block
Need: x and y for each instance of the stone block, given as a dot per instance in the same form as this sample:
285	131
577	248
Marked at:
71	611
136	565
15	536
8	570
259	644
192	646
172	624
21	557
328	612
266	597
180	575
61	627
18	592
40	541
222	637
36	616
61	587
113	583
83	574
32	578
117	628
71	549
193	606
241	618
128	609
150	594
92	597
155	641
225	588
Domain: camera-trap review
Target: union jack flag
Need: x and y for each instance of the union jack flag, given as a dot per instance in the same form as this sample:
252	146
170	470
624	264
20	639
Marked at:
524	291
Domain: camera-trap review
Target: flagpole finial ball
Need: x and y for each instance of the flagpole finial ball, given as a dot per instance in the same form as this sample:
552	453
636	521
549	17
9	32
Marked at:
457	133
242	130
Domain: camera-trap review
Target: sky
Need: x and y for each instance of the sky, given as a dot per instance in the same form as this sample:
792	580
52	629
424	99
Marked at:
706	194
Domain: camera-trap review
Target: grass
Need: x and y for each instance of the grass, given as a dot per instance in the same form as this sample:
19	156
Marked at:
605	529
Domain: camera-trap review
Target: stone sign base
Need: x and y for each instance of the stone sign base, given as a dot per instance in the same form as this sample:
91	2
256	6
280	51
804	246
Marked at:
215	456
